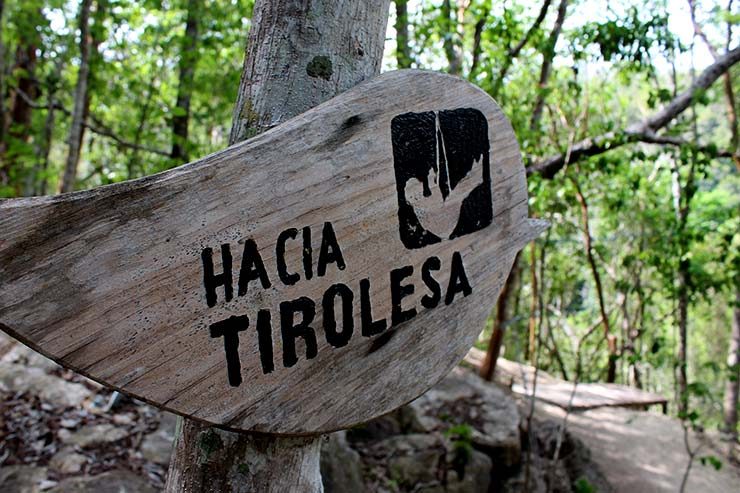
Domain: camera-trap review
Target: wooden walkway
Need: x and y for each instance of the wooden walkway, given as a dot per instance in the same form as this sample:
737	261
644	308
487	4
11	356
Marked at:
520	377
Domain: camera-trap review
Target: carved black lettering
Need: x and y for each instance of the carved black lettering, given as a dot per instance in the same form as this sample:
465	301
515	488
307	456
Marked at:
252	268
211	281
330	251
291	331
458	279
431	301
398	293
370	327
338	339
229	329
286	277
264	340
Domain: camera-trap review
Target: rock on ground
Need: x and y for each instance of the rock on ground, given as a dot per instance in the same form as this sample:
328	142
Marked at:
91	436
425	463
21	479
341	465
35	380
67	461
116	481
463	398
157	446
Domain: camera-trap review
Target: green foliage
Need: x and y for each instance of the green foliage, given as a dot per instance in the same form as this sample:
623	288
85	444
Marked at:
461	437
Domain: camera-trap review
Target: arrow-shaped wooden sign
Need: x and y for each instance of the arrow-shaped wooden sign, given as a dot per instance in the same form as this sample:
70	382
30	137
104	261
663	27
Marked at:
309	279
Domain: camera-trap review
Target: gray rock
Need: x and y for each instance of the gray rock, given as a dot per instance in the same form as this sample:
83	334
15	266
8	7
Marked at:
23	355
21	479
157	446
341	466
91	436
424	463
116	481
463	398
67	461
34	380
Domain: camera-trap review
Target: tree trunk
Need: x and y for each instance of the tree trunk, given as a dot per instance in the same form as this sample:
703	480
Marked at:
732	384
319	49
299	54
77	127
188	60
21	111
403	51
206	459
488	368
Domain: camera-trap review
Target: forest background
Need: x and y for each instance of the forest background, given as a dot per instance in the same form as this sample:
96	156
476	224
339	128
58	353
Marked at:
626	113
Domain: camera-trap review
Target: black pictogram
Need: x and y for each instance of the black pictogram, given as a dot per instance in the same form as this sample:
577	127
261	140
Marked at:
443	177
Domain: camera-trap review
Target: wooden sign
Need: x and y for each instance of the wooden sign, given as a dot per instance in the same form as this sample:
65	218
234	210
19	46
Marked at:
309	279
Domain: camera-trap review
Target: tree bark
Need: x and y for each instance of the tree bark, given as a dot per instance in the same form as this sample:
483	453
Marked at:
319	49
186	66
299	54
732	384
209	460
403	50
76	129
488	368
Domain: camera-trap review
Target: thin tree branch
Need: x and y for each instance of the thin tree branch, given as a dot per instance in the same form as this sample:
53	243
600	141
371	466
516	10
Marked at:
477	34
641	131
514	51
97	126
547	57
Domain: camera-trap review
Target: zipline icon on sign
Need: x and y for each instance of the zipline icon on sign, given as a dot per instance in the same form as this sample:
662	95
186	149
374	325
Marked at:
443	176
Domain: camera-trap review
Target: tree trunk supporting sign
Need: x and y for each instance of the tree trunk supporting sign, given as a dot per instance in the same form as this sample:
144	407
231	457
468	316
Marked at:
206	459
325	54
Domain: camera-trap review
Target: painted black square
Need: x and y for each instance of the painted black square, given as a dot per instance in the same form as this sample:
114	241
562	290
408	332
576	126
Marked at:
445	156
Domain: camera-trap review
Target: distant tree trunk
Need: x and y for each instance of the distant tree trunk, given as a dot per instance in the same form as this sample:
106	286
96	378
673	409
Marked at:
488	368
732	384
133	160
188	61
611	340
532	340
77	126
44	146
682	196
3	116
21	110
403	50
453	19
547	57
299	54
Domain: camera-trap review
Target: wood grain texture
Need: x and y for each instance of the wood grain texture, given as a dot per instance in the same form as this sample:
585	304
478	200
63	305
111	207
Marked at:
110	282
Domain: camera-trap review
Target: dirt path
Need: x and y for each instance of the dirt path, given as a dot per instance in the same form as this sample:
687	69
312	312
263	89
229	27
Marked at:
644	452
